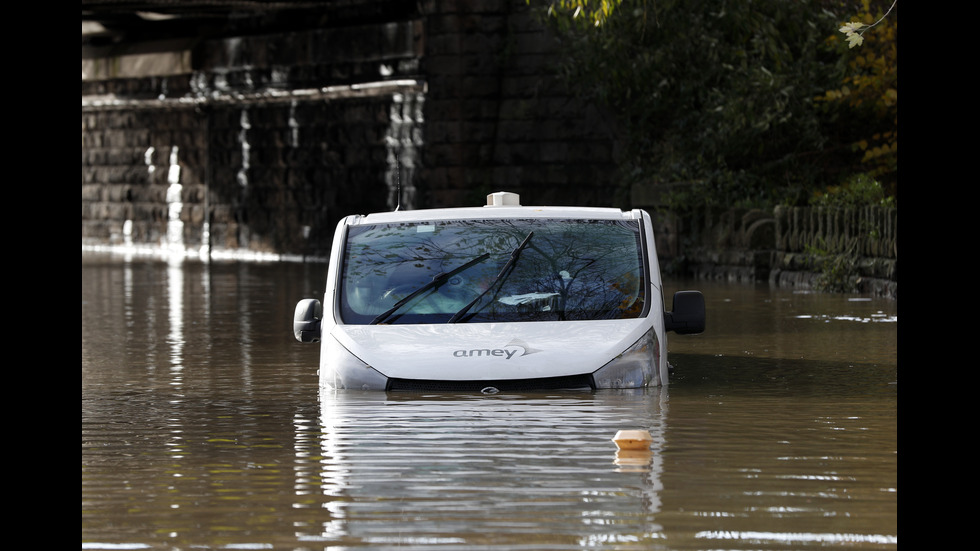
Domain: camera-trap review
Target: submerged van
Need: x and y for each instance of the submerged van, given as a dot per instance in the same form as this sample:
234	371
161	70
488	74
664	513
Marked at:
492	298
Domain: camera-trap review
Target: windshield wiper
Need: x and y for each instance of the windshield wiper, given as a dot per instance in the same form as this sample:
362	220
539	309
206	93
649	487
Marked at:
436	281
504	272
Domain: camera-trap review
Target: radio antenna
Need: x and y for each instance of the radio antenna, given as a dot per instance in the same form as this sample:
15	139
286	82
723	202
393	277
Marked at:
398	185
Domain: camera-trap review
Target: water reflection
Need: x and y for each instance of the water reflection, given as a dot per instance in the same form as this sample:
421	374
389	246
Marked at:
202	427
444	468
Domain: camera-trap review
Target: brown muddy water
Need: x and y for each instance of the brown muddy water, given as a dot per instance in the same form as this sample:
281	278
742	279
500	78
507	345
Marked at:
203	428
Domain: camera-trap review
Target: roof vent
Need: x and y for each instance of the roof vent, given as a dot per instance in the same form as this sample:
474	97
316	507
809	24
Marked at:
503	199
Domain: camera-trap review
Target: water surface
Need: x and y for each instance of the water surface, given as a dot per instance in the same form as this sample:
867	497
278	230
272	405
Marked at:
203	428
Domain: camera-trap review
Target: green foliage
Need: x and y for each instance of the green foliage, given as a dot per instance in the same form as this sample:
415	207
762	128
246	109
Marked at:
860	190
837	272
721	94
582	12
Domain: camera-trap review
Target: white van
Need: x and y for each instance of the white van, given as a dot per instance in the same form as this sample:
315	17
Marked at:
500	297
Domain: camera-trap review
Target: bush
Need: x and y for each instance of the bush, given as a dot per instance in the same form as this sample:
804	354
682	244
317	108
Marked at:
859	190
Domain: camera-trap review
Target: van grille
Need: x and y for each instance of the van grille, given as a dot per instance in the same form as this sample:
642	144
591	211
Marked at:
574	382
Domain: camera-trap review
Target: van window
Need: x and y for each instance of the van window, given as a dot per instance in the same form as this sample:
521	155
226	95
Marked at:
481	271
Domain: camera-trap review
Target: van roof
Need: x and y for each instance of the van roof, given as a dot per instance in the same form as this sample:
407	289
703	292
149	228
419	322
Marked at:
499	205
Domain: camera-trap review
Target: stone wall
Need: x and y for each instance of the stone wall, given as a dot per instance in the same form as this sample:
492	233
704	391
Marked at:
143	174
847	248
498	118
260	142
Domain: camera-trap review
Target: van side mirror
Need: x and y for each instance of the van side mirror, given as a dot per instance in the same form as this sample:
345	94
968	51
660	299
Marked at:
687	317
306	320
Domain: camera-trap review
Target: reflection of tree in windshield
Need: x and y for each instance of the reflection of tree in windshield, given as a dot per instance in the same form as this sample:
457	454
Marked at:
570	269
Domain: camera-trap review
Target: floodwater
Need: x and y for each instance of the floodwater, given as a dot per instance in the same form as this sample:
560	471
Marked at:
203	428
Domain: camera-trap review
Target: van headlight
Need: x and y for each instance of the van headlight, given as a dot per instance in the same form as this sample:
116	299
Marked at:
340	369
636	367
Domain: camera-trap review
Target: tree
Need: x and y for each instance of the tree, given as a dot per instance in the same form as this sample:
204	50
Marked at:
866	100
719	93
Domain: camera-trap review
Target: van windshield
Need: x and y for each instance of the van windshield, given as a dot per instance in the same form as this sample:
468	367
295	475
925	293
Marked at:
473	271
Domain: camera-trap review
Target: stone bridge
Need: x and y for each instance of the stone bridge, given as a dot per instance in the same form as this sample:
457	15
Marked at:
256	126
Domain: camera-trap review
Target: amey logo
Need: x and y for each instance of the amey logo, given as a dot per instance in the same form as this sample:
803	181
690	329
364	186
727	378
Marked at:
507	352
